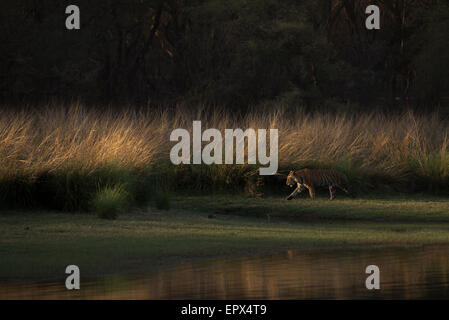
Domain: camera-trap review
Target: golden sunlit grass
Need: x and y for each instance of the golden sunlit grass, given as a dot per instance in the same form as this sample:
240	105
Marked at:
406	152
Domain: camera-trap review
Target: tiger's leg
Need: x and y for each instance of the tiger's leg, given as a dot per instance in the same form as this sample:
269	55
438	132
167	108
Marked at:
295	192
311	192
292	195
332	191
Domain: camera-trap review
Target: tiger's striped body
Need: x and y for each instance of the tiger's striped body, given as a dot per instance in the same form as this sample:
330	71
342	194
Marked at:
312	178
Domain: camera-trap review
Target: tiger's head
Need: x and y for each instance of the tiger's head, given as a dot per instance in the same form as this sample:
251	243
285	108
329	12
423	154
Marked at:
291	179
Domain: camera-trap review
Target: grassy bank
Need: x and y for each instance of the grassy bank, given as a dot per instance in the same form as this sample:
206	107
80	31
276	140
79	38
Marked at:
61	157
39	245
368	208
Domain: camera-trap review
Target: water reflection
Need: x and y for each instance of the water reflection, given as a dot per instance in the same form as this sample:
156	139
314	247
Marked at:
406	273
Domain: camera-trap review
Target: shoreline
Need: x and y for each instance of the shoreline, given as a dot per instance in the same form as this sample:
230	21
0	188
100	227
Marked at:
38	246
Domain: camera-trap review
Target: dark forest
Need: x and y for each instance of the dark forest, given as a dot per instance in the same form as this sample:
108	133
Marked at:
317	54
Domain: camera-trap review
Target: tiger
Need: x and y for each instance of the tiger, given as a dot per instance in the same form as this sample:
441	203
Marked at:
311	178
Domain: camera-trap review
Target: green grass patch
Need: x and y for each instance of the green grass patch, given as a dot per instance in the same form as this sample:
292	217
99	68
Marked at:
109	202
373	208
39	245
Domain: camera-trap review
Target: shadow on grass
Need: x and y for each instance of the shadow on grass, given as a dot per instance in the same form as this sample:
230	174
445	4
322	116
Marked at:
373	208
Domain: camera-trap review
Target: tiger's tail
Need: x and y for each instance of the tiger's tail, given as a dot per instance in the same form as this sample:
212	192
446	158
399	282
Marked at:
349	191
347	188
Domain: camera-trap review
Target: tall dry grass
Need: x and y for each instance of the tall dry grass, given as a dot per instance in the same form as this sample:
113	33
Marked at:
62	152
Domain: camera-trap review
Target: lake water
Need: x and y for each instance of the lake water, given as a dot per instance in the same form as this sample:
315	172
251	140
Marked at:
405	273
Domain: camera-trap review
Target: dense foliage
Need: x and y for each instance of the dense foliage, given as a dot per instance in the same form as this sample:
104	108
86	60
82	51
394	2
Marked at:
233	53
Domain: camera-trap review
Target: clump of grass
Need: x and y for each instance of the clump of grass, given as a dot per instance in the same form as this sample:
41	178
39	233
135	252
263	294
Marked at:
433	170
109	202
